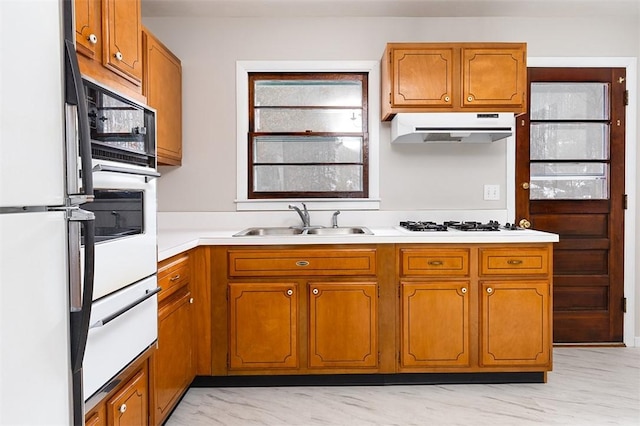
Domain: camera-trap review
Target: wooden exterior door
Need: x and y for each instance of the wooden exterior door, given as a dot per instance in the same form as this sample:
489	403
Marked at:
570	181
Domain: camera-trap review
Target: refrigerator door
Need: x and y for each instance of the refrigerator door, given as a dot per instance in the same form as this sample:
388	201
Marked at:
34	320
32	114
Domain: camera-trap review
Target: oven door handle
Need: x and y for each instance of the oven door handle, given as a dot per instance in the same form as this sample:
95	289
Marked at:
148	174
106	320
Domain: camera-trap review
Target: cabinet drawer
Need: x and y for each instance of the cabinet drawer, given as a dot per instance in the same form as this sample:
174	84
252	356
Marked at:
520	261
251	263
434	262
173	274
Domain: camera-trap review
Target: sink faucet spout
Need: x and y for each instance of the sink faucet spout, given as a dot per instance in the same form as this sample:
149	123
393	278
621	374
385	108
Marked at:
304	214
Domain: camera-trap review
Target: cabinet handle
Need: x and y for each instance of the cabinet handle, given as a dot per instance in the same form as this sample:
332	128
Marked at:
470	98
289	292
435	262
302	263
514	262
118	56
489	290
175	278
191	300
463	290
315	291
123	408
447	98
93	39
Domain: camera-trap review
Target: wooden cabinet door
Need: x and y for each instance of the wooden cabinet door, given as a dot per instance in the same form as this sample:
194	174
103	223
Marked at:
435	324
494	77
129	406
263	325
173	362
515	327
162	85
422	77
122	45
97	416
88	27
343	324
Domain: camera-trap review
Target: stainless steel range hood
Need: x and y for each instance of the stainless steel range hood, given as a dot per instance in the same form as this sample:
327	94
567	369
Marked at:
453	127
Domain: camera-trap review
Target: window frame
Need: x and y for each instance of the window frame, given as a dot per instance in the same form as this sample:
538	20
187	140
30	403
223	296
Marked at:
243	68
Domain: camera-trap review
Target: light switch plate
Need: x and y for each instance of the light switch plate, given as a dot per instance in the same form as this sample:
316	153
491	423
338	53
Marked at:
492	192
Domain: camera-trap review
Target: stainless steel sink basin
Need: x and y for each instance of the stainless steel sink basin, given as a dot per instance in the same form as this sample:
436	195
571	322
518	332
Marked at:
275	231
346	230
269	231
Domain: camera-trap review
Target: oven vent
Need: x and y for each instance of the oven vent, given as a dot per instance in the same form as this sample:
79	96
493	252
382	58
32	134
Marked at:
103	153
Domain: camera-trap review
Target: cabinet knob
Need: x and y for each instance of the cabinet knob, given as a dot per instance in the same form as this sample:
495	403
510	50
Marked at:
118	56
93	39
447	98
525	185
315	291
175	277
191	300
489	290
123	408
289	292
463	290
470	98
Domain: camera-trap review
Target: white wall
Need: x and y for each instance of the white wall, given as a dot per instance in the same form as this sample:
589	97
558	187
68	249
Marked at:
412	177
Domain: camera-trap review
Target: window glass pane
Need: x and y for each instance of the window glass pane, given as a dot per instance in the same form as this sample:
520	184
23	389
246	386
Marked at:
569	101
308	120
569	181
313	149
308	93
308	178
569	141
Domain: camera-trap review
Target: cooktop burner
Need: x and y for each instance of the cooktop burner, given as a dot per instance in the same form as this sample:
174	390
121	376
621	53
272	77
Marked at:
428	226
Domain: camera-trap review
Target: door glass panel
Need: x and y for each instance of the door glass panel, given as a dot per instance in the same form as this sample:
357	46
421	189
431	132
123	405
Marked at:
569	141
569	101
569	181
292	149
295	178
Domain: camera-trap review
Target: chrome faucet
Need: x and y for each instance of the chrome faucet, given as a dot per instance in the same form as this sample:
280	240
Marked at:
304	214
334	218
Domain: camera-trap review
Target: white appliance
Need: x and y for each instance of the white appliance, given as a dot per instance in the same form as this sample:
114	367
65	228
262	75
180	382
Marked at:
54	351
448	127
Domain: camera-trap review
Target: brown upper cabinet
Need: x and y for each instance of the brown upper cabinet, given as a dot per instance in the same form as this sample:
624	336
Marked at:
109	39
448	77
162	85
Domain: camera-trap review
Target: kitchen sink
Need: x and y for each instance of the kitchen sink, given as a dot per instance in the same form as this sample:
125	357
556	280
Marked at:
276	231
346	230
269	231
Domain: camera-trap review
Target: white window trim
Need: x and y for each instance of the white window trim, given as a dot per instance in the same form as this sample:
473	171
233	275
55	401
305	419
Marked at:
243	68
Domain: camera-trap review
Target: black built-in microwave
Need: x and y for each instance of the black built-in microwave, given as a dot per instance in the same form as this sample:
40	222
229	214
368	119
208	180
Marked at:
121	130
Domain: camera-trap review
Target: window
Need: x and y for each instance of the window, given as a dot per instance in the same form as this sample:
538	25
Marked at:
308	135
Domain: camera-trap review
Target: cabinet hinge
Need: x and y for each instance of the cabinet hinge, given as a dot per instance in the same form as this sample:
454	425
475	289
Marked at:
625	98
625	202
379	358
378	287
624	305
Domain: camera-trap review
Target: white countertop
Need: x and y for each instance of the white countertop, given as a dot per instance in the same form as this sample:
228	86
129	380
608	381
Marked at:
175	241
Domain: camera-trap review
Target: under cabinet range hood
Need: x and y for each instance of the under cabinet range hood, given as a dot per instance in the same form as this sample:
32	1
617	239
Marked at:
451	127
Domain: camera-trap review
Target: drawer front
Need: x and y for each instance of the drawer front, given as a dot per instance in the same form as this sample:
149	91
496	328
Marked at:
252	263
514	261
173	274
434	262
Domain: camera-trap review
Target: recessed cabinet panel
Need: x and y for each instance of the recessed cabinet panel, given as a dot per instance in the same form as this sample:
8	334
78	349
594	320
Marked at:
343	325
514	261
263	325
122	47
515	323
435	324
434	262
422	77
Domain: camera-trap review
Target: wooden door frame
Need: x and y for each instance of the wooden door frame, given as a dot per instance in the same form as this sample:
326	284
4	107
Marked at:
631	289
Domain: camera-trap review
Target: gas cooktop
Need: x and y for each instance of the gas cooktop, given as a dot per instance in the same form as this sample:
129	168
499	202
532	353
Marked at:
471	226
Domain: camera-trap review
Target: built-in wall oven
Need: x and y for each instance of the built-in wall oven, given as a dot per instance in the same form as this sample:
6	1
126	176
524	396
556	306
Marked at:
124	312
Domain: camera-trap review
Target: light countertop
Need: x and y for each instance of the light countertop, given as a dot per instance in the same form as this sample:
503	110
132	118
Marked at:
175	241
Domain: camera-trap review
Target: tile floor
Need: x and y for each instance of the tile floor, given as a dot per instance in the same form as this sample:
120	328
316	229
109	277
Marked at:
588	386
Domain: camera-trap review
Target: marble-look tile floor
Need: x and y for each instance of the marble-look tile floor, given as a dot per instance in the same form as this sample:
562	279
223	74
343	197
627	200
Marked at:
588	386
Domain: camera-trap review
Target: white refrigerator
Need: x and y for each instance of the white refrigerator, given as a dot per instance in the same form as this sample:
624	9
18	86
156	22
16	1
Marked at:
41	341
